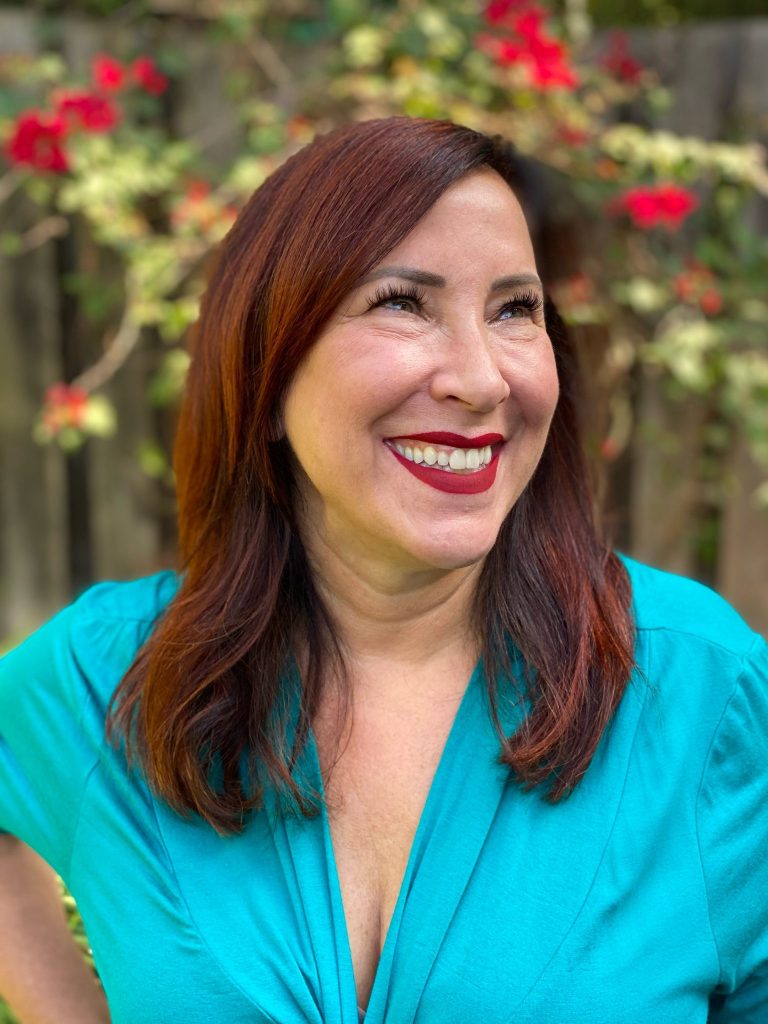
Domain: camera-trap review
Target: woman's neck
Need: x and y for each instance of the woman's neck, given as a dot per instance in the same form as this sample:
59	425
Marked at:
394	622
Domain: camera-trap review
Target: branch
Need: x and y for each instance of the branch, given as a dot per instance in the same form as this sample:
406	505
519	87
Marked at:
49	227
270	62
9	182
118	350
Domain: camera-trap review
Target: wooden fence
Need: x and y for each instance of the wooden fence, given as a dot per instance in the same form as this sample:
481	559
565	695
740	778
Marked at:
65	521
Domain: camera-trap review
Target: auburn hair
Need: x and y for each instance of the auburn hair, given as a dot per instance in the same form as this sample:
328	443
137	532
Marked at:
203	708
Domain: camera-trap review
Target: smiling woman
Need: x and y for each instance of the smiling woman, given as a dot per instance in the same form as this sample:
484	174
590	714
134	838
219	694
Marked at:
467	353
329	757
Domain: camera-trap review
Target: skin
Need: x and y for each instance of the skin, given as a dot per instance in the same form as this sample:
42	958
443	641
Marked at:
397	561
43	976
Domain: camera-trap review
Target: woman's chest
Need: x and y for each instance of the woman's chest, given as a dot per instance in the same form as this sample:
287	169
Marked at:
511	909
375	795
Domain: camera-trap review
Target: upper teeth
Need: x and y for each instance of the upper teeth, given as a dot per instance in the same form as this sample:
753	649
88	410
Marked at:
450	458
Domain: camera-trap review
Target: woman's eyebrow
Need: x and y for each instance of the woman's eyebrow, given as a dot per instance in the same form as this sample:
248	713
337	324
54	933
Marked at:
431	280
409	273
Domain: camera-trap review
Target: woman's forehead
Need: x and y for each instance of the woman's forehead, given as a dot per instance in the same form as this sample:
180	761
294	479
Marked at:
477	220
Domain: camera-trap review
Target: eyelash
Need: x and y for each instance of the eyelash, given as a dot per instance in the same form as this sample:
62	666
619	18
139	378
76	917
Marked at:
529	300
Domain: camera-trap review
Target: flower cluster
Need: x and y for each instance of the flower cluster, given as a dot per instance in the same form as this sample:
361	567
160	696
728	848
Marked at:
578	299
521	38
696	286
38	136
198	210
662	205
619	62
64	407
70	414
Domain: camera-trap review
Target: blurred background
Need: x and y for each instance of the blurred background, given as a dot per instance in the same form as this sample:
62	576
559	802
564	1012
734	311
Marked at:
132	133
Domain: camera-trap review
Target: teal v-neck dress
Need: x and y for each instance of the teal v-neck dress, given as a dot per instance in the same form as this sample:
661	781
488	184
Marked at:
641	899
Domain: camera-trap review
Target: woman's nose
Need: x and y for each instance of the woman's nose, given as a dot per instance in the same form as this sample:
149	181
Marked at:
469	369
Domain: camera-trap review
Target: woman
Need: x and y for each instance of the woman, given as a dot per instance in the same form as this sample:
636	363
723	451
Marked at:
540	769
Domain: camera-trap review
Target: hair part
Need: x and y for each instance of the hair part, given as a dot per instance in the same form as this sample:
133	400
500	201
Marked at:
206	693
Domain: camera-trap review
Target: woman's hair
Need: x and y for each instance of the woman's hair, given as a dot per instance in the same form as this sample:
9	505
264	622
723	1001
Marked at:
206	692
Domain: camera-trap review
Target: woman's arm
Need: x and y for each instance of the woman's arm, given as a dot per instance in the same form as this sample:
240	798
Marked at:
43	976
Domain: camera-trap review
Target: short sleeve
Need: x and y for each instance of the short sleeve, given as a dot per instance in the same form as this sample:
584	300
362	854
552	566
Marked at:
51	724
732	821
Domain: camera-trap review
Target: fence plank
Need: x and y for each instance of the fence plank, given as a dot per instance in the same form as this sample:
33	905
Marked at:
717	71
33	508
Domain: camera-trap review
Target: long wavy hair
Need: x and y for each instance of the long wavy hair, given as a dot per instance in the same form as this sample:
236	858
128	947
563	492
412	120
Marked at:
203	708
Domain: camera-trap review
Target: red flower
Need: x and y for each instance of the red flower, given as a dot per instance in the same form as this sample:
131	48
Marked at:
197	190
544	57
571	136
148	77
609	449
107	73
528	23
86	110
711	302
666	205
198	209
496	11
64	406
684	285
36	140
619	61
696	286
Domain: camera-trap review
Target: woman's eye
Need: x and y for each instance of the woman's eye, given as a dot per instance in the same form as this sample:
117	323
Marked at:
523	307
514	312
400	303
404	301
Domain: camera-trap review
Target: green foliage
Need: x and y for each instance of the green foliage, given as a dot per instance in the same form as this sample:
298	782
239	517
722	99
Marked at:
669	293
686	303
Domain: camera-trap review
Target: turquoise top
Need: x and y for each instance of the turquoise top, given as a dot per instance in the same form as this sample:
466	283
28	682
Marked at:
642	897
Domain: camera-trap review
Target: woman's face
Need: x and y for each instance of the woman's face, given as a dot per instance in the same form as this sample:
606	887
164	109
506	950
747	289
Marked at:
444	337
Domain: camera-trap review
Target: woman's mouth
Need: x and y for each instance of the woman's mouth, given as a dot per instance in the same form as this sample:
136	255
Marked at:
446	468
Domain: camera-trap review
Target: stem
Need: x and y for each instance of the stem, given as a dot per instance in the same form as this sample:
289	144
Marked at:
118	350
9	182
49	227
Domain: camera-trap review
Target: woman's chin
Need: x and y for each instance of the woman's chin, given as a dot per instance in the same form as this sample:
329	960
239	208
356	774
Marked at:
447	555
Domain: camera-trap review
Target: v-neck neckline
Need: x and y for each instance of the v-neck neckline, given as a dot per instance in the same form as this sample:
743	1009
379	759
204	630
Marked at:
377	997
267	904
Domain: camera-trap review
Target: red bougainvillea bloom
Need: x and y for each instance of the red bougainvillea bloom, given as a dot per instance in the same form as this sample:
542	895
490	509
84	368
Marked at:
107	73
619	61
664	205
571	136
711	302
529	23
64	406
199	209
609	449
146	75
197	190
497	11
696	286
86	110
543	56
36	140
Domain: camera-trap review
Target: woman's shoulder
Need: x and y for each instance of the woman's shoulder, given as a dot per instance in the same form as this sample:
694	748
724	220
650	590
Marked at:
683	611
54	690
700	659
139	600
108	611
89	644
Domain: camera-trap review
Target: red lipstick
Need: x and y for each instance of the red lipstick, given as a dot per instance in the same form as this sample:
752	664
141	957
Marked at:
454	440
453	483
